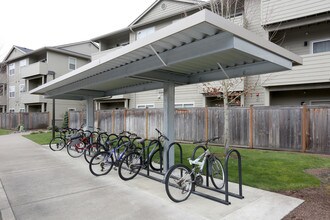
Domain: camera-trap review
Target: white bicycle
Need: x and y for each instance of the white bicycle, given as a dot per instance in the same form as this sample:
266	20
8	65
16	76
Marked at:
180	180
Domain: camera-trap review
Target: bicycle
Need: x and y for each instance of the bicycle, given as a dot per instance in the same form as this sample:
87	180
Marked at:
132	163
103	161
100	144
60	141
180	180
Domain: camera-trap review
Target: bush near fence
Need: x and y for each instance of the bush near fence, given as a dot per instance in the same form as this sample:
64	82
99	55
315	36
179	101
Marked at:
30	120
300	128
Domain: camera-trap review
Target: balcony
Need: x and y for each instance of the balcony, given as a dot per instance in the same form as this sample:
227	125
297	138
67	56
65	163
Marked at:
315	69
274	11
28	98
98	55
39	68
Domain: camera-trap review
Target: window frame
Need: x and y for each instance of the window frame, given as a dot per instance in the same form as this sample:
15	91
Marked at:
20	88
69	63
145	106
318	41
183	104
24	63
10	91
11	67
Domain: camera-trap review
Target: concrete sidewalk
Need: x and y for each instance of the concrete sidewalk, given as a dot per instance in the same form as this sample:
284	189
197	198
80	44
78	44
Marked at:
37	183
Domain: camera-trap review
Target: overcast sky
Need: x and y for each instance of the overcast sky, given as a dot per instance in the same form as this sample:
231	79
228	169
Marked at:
37	23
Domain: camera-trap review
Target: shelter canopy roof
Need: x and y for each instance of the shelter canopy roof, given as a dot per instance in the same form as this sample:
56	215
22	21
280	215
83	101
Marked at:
200	48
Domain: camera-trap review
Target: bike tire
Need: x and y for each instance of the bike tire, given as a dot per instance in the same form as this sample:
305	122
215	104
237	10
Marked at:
216	173
130	166
76	150
91	150
57	144
179	183
155	159
101	164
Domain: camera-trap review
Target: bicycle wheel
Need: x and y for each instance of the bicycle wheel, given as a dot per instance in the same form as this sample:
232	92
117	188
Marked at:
57	144
155	159
216	173
76	150
101	163
130	166
179	182
91	150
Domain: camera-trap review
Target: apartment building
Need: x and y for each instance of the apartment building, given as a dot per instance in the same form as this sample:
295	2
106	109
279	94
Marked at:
26	69
304	32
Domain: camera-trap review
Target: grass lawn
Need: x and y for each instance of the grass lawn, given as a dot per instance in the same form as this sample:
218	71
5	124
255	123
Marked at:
4	132
41	138
269	170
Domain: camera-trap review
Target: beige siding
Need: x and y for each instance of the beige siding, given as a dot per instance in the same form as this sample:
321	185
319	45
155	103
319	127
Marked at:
316	69
274	11
172	7
294	39
252	20
15	53
255	93
86	48
60	63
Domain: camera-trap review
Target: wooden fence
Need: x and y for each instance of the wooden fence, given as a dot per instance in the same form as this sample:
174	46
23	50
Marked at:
30	120
302	128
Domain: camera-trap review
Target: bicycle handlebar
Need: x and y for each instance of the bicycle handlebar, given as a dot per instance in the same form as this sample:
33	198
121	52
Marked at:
161	135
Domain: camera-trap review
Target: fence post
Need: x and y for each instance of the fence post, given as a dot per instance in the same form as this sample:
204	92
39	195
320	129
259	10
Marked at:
251	127
97	119
206	125
125	115
304	129
147	123
113	121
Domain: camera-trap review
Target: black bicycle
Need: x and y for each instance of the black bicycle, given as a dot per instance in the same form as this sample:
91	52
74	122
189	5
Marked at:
151	155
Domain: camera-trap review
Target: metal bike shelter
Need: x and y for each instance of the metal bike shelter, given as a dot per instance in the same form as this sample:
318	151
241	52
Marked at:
200	48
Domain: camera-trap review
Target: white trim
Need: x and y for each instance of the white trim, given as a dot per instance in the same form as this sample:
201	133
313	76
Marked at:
327	102
11	66
144	106
12	89
69	63
183	104
317	41
20	87
23	63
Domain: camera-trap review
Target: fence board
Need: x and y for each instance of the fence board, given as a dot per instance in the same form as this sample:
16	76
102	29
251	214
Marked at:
30	120
273	127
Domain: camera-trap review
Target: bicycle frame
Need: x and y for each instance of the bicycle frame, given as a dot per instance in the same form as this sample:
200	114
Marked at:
198	162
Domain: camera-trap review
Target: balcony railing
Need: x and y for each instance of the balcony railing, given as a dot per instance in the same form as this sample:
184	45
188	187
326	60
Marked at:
39	68
28	98
315	69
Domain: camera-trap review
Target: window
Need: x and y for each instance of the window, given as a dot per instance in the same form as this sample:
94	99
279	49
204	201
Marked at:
144	33
71	109
141	106
2	89
11	110
321	46
72	63
22	88
11	69
22	110
22	63
184	105
11	91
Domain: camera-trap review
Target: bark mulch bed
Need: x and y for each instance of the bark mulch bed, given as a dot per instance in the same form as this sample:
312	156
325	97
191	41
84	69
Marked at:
317	200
